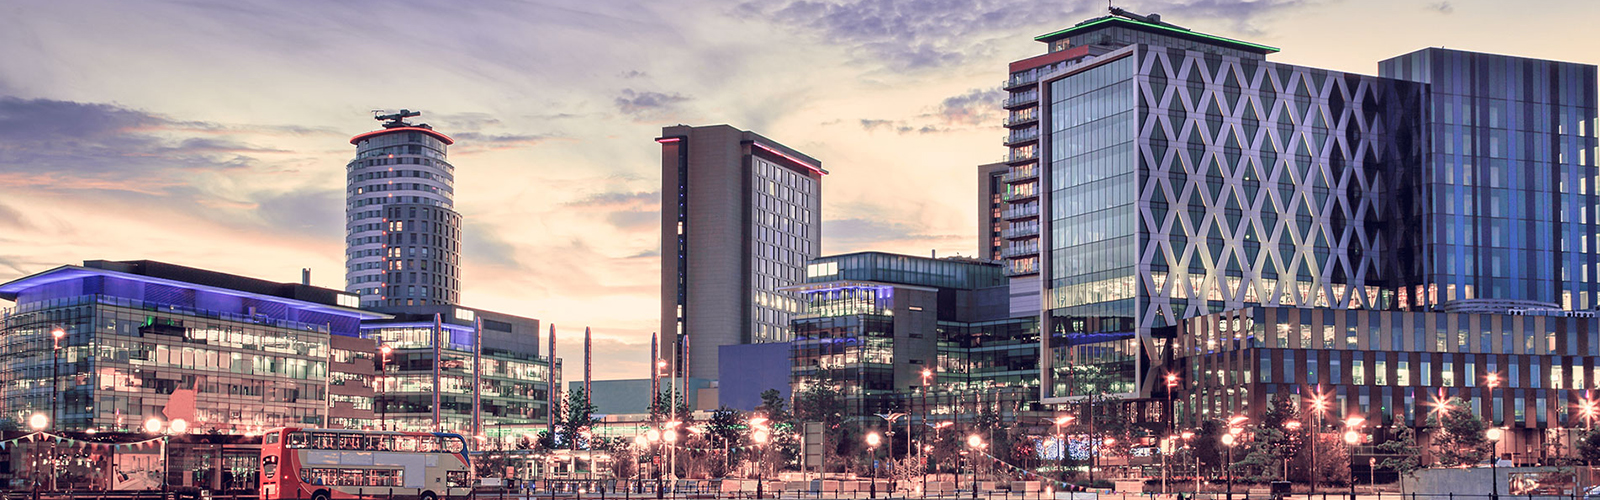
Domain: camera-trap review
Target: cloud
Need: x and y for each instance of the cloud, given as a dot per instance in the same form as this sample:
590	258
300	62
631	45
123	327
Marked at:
111	154
860	232
976	107
624	210
1442	7
648	105
925	34
10	218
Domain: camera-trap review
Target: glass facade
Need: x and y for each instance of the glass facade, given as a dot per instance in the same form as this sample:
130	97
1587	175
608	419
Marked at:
1510	182
514	385
135	348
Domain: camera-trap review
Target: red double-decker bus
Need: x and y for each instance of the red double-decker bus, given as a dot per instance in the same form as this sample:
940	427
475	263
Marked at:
332	464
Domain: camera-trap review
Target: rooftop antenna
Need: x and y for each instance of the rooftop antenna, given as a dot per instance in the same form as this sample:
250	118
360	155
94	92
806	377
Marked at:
395	119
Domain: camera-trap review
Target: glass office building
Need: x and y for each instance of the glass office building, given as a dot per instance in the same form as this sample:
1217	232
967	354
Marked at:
874	321
144	340
510	394
1188	176
1509	185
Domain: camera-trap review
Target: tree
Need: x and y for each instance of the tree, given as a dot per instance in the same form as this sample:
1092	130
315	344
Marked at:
578	418
1460	439
1589	447
782	445
724	429
1406	459
1273	443
821	401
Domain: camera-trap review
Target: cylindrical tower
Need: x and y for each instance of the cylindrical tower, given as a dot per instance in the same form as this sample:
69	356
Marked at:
402	233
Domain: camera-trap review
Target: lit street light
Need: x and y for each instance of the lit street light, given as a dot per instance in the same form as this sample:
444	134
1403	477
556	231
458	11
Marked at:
1172	426
976	443
1494	434
873	439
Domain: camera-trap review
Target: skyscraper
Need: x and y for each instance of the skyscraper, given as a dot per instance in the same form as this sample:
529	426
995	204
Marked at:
402	233
1212	215
991	211
741	216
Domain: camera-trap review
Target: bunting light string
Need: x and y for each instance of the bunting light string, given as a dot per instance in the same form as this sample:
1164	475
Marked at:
45	436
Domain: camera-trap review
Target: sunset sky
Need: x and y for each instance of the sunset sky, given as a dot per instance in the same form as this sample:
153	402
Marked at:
214	134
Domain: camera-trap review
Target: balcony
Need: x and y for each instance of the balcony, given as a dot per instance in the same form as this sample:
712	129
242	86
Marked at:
1022	80
1020	250
1021	212
1018	174
1015	232
1021	136
1016	156
1014	120
1020	100
1022	267
1023	195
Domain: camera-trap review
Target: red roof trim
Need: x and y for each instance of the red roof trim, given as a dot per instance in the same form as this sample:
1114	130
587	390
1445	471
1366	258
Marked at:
447	140
1051	58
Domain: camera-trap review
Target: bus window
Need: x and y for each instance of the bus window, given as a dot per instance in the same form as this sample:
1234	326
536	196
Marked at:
270	438
457	478
427	444
298	440
406	444
385	443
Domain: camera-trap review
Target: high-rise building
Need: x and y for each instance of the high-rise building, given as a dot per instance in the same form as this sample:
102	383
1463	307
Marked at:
1373	242
741	216
992	229
402	233
107	346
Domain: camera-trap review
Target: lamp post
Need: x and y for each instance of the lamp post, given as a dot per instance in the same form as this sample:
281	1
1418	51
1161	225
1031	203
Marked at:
38	422
1319	402
383	386
654	436
1188	436
976	443
1172	423
1227	470
1491	380
56	334
1494	434
1061	449
922	455
761	436
873	439
1352	438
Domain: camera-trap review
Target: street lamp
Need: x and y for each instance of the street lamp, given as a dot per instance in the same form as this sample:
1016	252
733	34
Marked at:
1227	470
1172	426
383	386
975	442
654	436
1293	426
1187	437
873	439
1061	449
38	422
56	334
1319	403
1494	434
761	436
1352	438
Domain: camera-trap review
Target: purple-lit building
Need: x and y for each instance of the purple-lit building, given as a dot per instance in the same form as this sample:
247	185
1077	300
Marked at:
142	340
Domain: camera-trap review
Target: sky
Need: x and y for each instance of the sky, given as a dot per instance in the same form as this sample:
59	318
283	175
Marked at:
215	134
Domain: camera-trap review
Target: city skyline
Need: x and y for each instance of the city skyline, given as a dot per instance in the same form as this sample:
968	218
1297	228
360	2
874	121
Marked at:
118	125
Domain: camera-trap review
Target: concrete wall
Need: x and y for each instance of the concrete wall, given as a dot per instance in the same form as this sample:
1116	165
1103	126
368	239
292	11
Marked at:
1439	484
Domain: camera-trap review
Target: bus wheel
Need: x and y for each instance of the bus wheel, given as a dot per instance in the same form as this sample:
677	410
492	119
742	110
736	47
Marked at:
320	495
428	495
